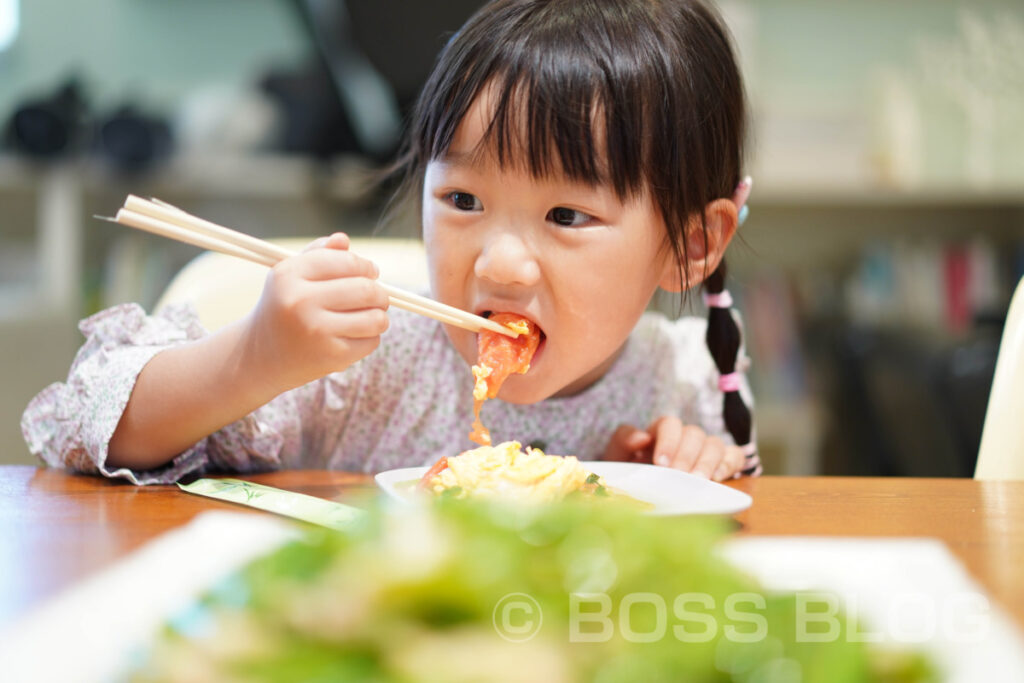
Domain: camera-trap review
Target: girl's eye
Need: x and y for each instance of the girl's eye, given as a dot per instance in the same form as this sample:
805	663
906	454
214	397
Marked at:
464	201
570	218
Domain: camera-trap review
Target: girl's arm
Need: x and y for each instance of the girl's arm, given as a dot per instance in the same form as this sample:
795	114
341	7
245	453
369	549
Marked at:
320	311
186	393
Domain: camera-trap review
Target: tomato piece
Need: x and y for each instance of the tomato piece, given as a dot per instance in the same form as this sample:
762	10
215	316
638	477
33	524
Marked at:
498	356
506	355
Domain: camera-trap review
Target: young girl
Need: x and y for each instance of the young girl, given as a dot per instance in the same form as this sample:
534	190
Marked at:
570	157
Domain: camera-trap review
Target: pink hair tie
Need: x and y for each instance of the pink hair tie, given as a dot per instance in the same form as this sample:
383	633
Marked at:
730	382
749	449
721	300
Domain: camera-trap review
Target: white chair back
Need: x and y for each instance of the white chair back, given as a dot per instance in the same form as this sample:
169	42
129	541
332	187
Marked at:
1001	455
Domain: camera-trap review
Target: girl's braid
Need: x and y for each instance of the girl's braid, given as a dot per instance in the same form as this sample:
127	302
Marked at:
723	339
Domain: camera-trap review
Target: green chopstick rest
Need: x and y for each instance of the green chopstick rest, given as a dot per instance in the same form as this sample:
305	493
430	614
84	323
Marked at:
310	509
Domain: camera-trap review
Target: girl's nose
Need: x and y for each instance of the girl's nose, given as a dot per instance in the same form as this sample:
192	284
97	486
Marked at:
507	260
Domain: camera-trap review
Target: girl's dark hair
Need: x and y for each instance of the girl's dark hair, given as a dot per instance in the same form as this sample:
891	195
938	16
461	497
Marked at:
642	95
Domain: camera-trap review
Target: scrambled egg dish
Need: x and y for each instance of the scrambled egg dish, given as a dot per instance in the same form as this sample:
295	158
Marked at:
506	471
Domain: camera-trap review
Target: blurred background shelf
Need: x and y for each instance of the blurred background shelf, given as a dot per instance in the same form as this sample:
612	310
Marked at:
233	176
350	180
877	195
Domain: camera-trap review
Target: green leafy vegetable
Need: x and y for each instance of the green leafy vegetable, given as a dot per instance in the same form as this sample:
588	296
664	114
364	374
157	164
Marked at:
466	591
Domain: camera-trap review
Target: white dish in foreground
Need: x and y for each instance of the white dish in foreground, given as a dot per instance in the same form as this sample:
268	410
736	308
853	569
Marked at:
909	590
671	492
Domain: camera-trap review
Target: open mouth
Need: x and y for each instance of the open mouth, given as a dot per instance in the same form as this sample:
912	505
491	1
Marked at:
523	351
543	336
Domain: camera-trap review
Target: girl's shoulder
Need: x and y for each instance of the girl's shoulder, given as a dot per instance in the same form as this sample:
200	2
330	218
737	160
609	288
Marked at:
655	330
664	348
682	344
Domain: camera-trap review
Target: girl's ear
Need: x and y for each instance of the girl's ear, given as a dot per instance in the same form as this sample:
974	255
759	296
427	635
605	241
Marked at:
704	247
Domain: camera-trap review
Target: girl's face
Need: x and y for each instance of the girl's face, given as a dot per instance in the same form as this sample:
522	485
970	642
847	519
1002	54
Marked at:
573	258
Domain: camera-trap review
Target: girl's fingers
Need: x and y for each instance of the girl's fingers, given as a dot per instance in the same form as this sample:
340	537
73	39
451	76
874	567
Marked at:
730	465
348	294
329	264
711	456
638	445
668	434
626	443
351	350
637	439
643	456
364	324
689	444
337	240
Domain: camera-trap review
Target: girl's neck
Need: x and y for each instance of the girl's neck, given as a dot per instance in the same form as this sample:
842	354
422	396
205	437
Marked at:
591	378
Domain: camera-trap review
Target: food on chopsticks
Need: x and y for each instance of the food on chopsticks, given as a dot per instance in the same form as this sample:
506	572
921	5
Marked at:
498	357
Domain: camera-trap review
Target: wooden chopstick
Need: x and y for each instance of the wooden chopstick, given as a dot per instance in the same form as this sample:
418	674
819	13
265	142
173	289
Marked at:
172	214
158	227
179	218
169	221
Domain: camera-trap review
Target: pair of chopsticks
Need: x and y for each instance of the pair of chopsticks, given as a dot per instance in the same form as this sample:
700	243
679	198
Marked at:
160	218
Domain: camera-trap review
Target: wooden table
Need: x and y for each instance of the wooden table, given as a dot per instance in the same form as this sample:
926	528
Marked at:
56	528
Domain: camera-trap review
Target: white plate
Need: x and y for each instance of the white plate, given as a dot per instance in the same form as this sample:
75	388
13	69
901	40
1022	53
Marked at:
671	492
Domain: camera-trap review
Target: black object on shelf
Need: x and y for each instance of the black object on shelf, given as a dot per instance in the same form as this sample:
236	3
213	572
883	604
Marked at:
52	126
313	120
371	59
133	141
402	39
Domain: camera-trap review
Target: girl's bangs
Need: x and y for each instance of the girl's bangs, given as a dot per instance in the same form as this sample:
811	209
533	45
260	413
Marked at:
552	113
547	129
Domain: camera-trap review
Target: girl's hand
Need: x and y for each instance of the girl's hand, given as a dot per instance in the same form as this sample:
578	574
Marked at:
670	443
321	311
